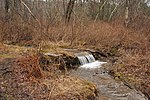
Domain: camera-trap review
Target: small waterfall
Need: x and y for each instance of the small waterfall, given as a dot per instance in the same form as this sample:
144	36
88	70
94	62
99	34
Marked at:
87	60
82	60
90	58
85	57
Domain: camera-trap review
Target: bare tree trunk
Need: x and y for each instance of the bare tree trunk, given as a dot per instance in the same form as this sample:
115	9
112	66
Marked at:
127	19
69	10
64	6
7	6
7	9
131	10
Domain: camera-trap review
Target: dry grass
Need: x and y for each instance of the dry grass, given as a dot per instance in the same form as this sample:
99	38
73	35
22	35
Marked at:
50	84
129	45
71	88
12	51
30	66
24	80
134	69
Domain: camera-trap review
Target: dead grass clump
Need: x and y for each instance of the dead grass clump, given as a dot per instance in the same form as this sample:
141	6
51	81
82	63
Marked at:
29	66
66	88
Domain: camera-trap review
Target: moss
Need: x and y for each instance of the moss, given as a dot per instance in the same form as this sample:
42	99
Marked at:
113	51
117	75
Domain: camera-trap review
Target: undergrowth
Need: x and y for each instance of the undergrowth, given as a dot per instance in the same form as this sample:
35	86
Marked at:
29	66
130	46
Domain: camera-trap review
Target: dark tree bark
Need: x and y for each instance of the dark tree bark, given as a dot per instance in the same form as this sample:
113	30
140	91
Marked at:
7	6
69	10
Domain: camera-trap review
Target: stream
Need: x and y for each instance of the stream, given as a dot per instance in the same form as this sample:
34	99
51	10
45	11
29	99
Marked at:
108	88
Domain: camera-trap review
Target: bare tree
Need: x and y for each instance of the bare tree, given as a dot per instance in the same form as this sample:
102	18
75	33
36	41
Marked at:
131	10
7	6
69	10
127	19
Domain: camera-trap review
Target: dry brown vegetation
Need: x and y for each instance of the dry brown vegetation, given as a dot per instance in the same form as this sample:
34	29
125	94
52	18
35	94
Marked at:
128	48
56	85
26	79
30	66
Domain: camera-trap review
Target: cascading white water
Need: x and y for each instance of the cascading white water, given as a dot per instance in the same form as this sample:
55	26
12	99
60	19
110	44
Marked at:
82	60
92	58
87	60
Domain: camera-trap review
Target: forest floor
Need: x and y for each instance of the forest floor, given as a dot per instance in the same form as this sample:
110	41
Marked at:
22	77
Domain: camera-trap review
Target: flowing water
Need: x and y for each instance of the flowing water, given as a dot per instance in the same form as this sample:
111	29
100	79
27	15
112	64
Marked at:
85	57
108	88
87	60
